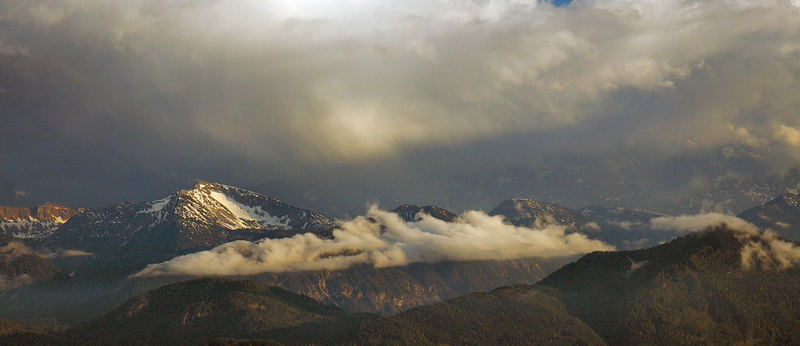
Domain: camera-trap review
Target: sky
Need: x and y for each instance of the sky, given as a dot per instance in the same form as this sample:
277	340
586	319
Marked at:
333	105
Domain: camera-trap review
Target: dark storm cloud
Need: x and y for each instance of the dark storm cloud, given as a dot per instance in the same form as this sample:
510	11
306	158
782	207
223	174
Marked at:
376	99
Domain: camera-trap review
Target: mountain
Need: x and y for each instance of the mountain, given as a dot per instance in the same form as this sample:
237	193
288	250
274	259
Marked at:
356	289
732	193
198	311
719	286
781	214
624	216
188	220
202	310
624	228
33	222
21	266
531	213
510	315
394	289
409	212
365	288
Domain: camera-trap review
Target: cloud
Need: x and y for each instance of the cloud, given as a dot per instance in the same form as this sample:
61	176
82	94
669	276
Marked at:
72	253
767	251
788	135
382	239
8	254
762	250
367	79
144	96
14	249
694	223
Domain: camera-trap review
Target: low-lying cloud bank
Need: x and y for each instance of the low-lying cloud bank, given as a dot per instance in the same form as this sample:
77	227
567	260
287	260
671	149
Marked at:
382	239
767	251
693	223
14	249
761	249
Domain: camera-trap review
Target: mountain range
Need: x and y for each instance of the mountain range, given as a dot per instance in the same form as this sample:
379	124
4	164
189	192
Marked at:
34	222
781	215
188	220
22	266
119	240
706	287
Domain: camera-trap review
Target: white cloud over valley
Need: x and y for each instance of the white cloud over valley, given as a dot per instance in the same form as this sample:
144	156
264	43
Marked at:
382	239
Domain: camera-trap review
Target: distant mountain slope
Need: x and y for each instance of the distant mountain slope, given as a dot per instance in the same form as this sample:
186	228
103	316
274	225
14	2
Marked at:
531	213
781	214
205	216
198	311
21	266
625	216
714	287
409	212
732	193
395	289
622	227
33	222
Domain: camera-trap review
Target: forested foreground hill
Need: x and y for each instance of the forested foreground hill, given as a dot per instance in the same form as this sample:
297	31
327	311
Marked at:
713	287
510	315
719	286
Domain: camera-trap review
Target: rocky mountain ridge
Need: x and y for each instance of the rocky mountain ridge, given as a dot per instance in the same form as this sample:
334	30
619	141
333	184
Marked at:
199	218
781	215
34	222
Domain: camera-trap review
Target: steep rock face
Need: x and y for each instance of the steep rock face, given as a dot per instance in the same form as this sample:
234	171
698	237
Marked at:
781	214
409	212
395	289
203	217
531	213
33	222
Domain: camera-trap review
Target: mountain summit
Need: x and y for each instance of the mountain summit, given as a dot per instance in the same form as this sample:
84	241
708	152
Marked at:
531	213
205	216
409	213
781	214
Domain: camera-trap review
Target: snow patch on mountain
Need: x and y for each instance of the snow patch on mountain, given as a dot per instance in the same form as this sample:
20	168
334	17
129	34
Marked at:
156	206
28	229
249	213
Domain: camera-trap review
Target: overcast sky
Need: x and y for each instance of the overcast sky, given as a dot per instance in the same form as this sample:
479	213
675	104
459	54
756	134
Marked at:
340	103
